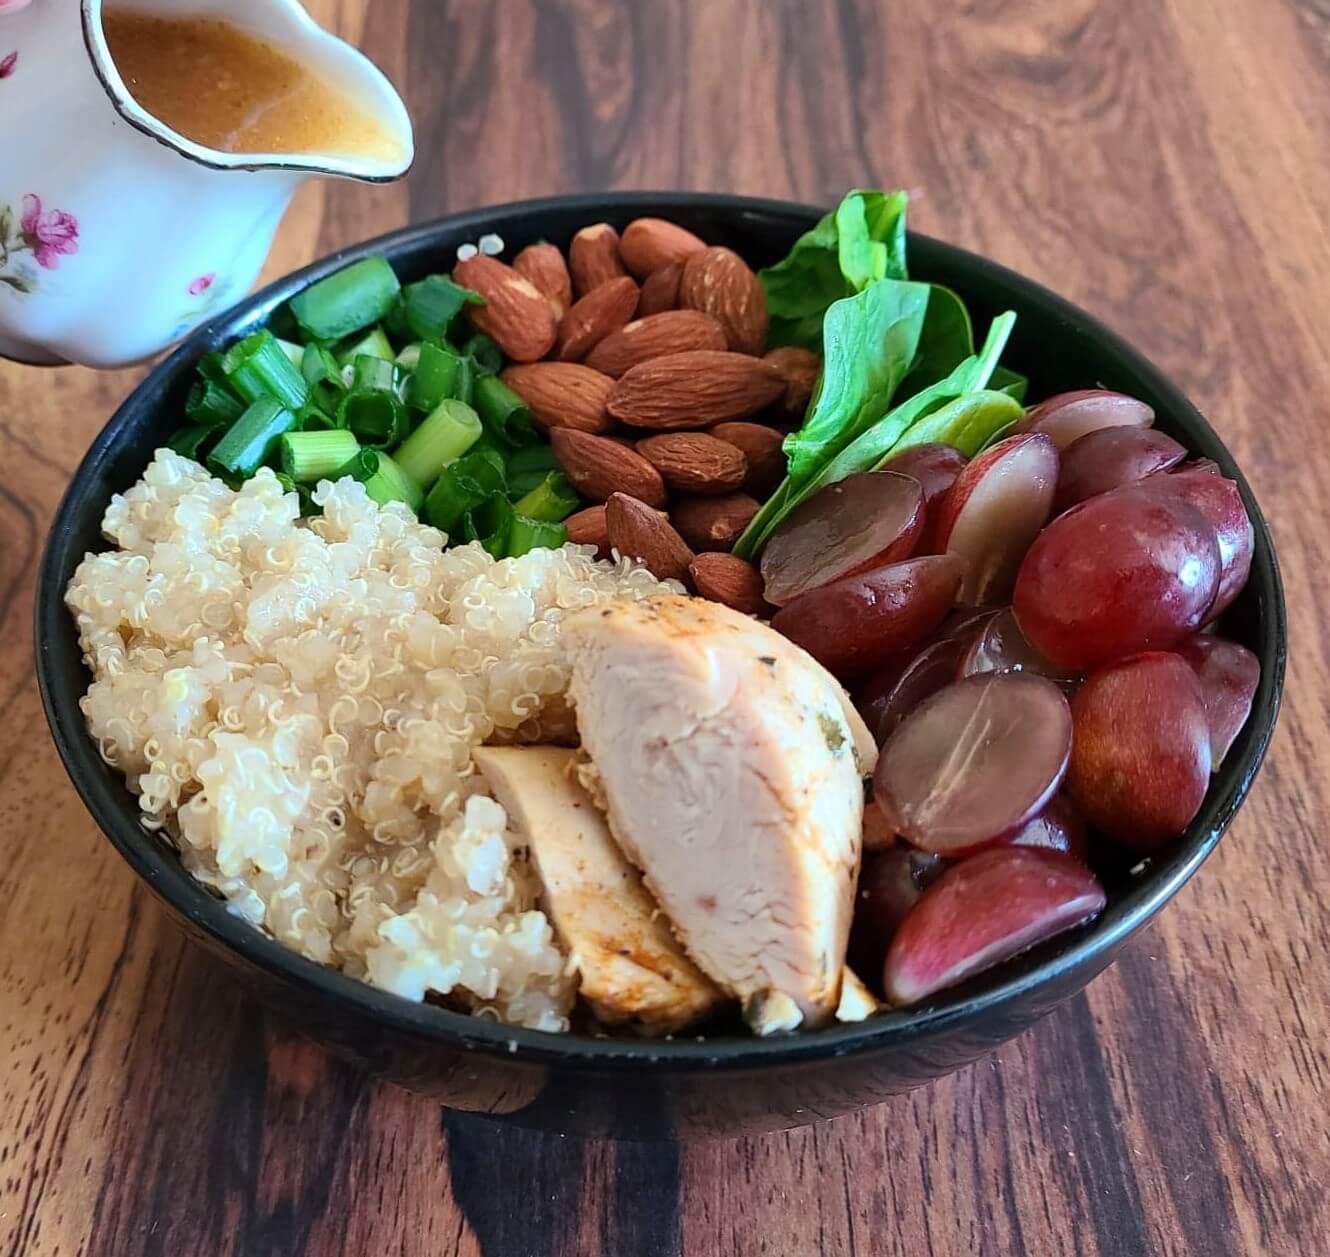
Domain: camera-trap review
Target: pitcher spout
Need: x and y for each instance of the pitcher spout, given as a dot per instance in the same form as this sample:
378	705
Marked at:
384	147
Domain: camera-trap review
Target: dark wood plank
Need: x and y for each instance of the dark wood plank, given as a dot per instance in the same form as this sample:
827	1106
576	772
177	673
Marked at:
1163	165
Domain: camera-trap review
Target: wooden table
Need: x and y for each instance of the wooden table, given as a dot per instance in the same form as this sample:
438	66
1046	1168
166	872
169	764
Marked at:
1162	162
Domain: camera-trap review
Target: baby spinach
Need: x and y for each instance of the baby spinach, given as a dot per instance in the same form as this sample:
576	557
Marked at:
869	342
863	239
889	434
1013	383
970	422
946	341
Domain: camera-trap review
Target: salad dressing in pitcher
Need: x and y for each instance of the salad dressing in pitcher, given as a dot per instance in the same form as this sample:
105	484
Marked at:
226	89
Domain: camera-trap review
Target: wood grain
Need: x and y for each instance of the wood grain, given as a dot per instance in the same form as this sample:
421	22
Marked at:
1160	161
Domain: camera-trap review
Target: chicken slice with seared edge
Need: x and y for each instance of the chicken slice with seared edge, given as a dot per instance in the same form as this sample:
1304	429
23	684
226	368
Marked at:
732	767
631	966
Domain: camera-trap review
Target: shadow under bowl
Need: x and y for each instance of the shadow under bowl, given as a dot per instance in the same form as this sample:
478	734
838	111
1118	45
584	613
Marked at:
721	1085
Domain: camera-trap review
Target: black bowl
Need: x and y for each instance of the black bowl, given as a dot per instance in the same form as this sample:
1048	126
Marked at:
718	1086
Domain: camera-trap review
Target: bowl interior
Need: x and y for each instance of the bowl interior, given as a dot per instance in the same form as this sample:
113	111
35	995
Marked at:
1058	346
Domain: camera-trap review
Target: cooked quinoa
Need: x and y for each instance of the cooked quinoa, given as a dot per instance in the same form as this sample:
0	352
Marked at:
295	703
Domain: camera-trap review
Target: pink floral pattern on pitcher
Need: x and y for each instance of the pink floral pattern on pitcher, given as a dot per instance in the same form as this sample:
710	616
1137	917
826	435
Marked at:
8	64
50	234
201	285
44	235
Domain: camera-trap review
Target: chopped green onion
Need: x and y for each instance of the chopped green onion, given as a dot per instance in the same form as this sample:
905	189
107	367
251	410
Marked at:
376	417
451	429
551	500
433	378
490	523
538	457
394	322
326	396
501	410
211	368
408	357
532	534
465	384
462	486
318	366
257	368
373	373
211	404
355	297
374	344
523	482
253	437
312	417
288	485
191	441
383	479
313	456
487	356
293	351
432	304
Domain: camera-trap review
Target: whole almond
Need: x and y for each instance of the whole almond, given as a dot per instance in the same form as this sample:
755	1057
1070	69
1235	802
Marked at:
544	266
650	243
599	467
713	523
562	394
670	332
660	290
799	368
761	448
694	390
730	580
692	462
603	310
720	283
638	532
593	258
588	528
516	315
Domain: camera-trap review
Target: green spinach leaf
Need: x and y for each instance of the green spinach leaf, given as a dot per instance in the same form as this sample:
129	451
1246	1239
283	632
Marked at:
946	341
970	423
869	342
1013	383
875	442
863	239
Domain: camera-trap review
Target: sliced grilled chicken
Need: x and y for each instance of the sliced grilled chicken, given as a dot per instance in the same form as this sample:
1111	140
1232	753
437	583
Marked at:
631	966
732	768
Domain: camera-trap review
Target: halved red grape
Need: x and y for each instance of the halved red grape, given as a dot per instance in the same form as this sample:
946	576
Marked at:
1066	417
1229	675
859	623
1059	827
983	911
965	624
1140	760
1220	501
1126	571
893	693
975	761
1000	646
890	884
861	522
995	510
1109	457
935	467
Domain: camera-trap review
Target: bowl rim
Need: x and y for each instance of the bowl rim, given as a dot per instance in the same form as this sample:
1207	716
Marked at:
160	868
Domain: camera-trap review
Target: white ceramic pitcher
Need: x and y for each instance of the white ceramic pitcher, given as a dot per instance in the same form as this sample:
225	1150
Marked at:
117	234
